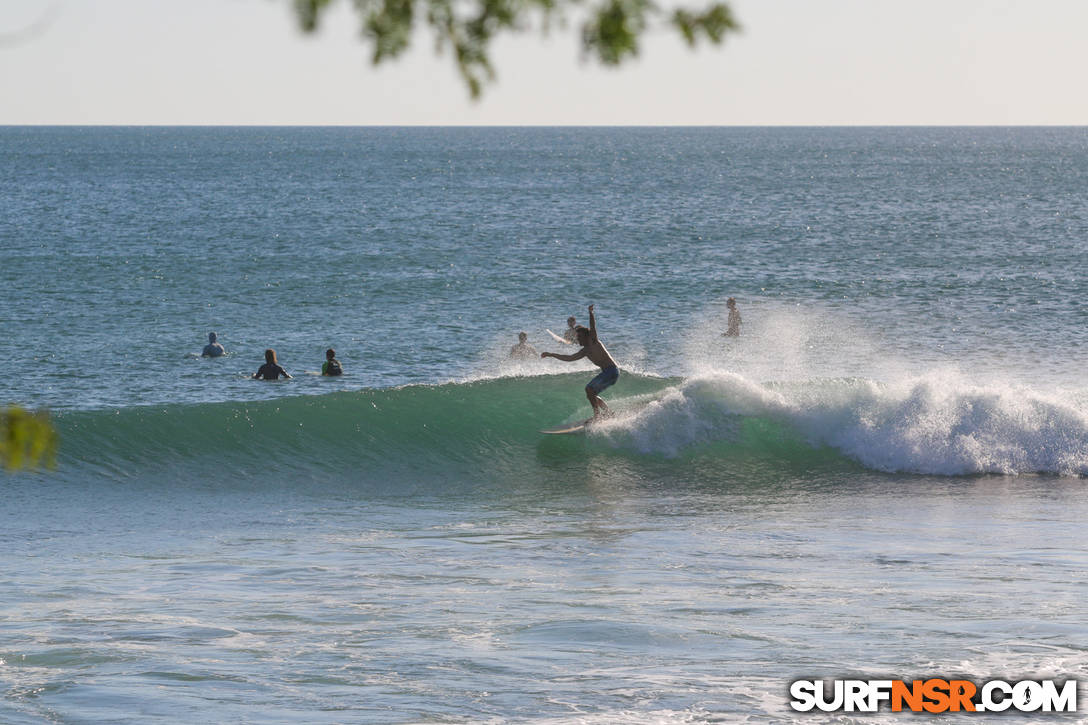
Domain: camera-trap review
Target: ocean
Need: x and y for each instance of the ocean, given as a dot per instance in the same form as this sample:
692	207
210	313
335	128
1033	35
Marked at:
883	476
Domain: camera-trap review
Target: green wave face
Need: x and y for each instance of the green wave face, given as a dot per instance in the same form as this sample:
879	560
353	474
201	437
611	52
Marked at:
422	429
489	431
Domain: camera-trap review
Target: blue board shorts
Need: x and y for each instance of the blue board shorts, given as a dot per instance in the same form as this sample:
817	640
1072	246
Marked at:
606	378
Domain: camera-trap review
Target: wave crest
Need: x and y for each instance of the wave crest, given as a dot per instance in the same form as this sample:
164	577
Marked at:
939	425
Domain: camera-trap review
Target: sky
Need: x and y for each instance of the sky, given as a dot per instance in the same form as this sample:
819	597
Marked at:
796	62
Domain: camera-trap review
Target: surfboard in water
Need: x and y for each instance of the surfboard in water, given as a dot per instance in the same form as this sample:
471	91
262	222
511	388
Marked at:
569	428
558	338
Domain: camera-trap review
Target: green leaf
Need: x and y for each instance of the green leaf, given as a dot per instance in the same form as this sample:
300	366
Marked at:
610	30
27	440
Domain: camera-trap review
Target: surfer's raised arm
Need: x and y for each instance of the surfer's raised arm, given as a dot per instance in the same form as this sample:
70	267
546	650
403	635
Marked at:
598	355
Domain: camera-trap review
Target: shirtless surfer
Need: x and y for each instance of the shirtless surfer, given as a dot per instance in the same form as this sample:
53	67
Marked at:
598	355
523	350
569	336
213	348
571	333
734	318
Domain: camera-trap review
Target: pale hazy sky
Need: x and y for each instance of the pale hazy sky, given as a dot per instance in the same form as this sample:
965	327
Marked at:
797	62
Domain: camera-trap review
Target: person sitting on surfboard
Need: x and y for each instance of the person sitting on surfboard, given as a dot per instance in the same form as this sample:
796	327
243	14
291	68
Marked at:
213	348
271	369
331	366
523	350
598	355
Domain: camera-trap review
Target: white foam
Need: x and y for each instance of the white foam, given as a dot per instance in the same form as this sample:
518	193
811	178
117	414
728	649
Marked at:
940	423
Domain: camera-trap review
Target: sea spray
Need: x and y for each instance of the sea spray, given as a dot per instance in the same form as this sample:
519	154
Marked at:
940	425
946	425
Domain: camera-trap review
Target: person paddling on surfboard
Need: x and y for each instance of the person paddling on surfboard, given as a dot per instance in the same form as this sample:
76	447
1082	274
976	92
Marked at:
598	355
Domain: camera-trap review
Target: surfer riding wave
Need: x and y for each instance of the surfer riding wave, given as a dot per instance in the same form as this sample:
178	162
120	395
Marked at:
595	350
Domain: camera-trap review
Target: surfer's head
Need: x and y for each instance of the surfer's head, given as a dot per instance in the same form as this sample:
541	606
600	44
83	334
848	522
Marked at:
522	337
731	302
212	337
583	334
270	356
570	322
330	354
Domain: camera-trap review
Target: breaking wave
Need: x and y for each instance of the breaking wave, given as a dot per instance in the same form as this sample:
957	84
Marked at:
937	425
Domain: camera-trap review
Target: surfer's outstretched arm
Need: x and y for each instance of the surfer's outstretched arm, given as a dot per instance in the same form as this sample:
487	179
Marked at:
592	325
565	358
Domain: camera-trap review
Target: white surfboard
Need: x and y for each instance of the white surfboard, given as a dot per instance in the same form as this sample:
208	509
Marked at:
558	338
577	427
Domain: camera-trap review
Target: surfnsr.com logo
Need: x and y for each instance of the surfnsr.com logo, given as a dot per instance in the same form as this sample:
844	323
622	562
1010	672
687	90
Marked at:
934	695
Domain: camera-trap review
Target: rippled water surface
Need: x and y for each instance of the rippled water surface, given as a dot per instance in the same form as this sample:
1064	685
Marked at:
883	476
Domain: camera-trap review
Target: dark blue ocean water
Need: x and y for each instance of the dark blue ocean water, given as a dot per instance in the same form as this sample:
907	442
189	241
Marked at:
883	475
418	253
